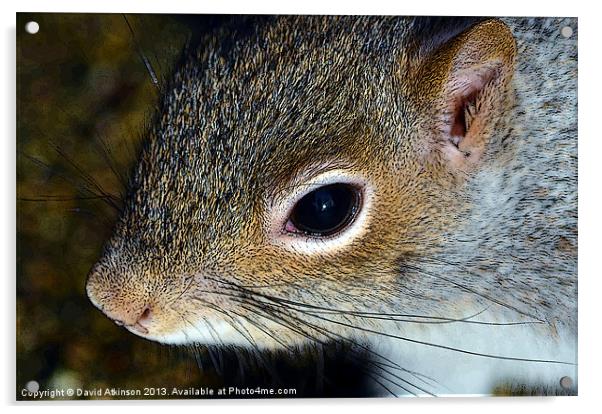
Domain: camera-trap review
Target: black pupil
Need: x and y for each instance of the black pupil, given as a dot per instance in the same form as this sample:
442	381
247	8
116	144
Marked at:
325	210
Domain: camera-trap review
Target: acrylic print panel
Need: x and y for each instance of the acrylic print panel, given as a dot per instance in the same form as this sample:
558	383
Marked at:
295	206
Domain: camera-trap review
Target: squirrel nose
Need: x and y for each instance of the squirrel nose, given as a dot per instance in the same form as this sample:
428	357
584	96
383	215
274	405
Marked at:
133	312
145	318
139	321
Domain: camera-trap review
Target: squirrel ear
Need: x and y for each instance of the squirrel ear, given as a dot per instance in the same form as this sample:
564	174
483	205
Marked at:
472	73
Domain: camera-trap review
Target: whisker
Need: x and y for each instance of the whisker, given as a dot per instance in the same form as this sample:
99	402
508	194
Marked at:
107	154
382	385
468	289
59	198
327	334
322	330
111	199
249	338
389	363
381	316
145	61
104	149
460	350
84	189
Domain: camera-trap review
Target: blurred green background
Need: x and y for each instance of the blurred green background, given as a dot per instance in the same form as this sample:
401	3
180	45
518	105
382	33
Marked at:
84	97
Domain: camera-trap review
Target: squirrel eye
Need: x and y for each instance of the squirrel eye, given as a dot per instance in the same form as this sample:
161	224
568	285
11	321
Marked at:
325	211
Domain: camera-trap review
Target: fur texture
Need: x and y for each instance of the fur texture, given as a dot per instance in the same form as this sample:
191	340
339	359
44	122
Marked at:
477	255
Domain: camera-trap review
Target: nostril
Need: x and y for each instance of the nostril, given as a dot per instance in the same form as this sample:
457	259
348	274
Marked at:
139	324
145	318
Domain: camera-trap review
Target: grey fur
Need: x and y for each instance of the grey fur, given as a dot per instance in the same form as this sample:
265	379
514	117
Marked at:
249	109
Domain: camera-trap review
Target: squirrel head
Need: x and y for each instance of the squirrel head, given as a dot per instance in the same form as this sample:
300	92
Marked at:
296	167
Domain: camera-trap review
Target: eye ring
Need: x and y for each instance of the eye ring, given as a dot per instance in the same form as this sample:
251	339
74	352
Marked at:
280	205
325	211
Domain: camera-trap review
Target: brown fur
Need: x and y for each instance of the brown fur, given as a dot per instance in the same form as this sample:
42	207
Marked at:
242	122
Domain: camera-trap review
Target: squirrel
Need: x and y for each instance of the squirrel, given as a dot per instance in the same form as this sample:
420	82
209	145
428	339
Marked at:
404	185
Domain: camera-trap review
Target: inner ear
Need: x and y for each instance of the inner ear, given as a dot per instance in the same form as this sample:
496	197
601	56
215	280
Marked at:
470	79
468	97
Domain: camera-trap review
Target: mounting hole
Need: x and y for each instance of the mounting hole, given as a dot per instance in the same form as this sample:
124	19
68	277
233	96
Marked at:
566	31
32	386
566	383
32	27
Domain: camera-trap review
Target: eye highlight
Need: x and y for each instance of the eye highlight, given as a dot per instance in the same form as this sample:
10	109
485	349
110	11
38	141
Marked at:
322	210
325	211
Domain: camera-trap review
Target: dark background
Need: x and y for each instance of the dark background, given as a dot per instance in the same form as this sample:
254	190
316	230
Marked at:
84	98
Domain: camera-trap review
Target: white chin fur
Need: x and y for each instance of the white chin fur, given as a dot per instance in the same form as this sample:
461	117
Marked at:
442	372
453	373
206	333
